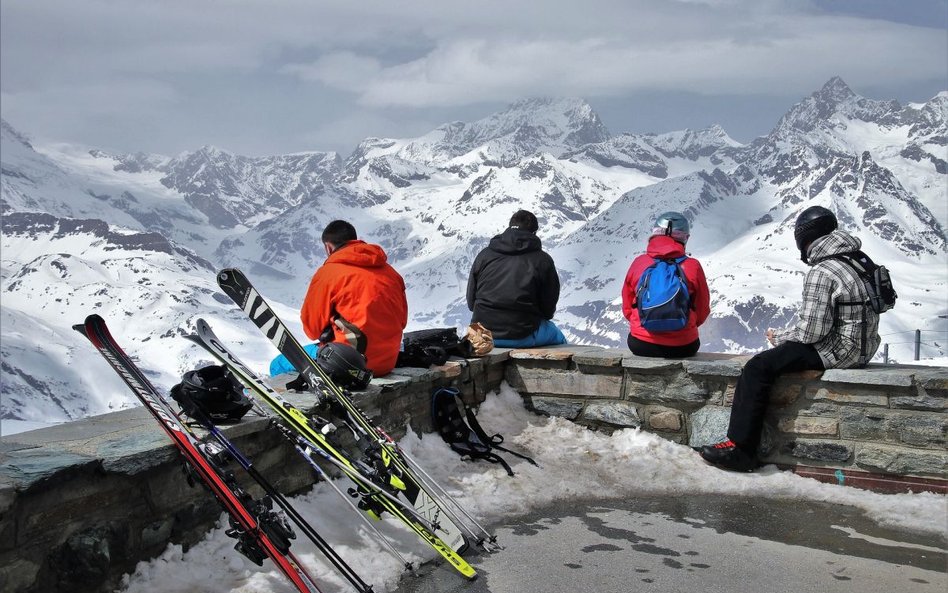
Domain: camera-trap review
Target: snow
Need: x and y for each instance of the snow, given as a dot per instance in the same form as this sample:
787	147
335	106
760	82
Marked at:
575	463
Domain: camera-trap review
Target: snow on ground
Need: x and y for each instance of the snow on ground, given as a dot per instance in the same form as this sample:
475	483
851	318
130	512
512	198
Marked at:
575	463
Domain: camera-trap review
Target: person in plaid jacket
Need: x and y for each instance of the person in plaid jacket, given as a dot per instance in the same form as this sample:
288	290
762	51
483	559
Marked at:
836	330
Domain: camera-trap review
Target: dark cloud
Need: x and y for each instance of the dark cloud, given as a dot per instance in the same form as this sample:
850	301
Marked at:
260	77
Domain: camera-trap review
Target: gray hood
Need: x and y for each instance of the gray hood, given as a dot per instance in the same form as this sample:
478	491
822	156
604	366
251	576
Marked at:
832	244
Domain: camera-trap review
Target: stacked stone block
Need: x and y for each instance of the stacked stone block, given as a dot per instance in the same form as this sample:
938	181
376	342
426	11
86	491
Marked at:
884	419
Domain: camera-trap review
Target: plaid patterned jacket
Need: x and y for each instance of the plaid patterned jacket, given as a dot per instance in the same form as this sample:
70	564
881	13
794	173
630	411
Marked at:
845	336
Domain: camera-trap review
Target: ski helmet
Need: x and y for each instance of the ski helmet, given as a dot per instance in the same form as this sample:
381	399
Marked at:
213	390
813	223
674	225
344	365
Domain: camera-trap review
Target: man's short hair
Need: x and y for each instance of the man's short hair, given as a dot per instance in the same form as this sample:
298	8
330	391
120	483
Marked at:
338	233
525	221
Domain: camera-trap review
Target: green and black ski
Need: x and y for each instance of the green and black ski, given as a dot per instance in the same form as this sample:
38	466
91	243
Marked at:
375	485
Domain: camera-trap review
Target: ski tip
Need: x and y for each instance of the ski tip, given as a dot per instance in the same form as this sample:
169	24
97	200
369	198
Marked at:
227	274
93	319
201	325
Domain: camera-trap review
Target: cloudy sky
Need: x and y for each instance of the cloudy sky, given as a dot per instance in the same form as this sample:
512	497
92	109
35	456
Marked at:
275	76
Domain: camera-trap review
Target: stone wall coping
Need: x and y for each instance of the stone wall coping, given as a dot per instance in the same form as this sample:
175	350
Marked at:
606	357
650	364
560	352
933	378
128	441
720	367
874	374
730	365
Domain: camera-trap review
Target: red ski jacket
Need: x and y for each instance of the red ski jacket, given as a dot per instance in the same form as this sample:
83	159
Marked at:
357	284
665	247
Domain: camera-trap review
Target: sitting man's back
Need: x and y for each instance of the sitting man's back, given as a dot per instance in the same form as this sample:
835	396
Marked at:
514	287
356	297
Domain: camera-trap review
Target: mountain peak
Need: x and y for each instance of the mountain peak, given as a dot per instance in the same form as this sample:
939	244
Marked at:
210	150
835	98
551	124
572	113
835	91
7	130
692	144
541	121
559	104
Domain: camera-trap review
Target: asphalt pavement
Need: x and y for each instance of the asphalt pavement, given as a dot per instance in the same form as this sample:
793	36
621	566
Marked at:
703	544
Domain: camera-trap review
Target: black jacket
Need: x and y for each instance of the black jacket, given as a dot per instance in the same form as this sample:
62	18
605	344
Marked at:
513	285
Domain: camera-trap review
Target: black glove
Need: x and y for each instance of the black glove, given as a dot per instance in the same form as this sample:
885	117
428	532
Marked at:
298	384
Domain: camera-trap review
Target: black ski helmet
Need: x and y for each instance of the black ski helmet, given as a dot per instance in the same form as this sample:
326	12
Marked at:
213	390
674	225
813	223
344	365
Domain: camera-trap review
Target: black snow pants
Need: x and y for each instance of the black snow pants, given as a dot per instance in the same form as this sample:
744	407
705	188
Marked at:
752	394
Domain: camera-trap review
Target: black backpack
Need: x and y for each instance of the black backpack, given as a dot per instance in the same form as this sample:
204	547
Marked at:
876	279
426	347
466	438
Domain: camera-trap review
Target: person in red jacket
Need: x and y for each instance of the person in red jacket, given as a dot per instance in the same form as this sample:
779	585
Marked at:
667	242
357	298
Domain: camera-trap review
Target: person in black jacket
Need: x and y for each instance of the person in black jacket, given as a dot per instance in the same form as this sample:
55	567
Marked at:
513	288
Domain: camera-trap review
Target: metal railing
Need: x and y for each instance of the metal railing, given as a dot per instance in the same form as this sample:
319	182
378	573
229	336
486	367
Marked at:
917	341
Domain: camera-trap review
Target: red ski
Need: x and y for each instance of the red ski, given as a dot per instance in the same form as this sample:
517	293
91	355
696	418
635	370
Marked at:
259	531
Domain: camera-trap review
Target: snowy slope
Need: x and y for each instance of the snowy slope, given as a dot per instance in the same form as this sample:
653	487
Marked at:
233	190
58	270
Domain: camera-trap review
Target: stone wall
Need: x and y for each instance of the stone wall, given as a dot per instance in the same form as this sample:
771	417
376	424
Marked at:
884	419
82	503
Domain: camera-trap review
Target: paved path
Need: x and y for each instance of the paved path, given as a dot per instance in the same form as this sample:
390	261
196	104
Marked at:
702	545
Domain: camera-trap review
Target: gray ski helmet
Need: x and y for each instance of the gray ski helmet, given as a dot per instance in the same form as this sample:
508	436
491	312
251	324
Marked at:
674	225
344	365
813	223
213	390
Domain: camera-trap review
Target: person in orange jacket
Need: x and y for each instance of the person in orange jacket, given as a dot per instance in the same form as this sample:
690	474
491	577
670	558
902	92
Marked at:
357	298
667	243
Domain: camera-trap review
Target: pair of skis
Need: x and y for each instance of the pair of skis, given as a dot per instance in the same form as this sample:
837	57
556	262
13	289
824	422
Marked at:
451	528
259	531
310	437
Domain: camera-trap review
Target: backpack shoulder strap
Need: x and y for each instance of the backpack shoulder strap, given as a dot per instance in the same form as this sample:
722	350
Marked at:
495	440
684	279
855	260
463	440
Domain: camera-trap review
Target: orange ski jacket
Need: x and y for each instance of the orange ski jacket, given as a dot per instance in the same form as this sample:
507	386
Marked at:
357	283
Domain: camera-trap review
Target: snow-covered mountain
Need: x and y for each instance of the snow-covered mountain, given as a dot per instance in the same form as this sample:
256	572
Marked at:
137	237
233	190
